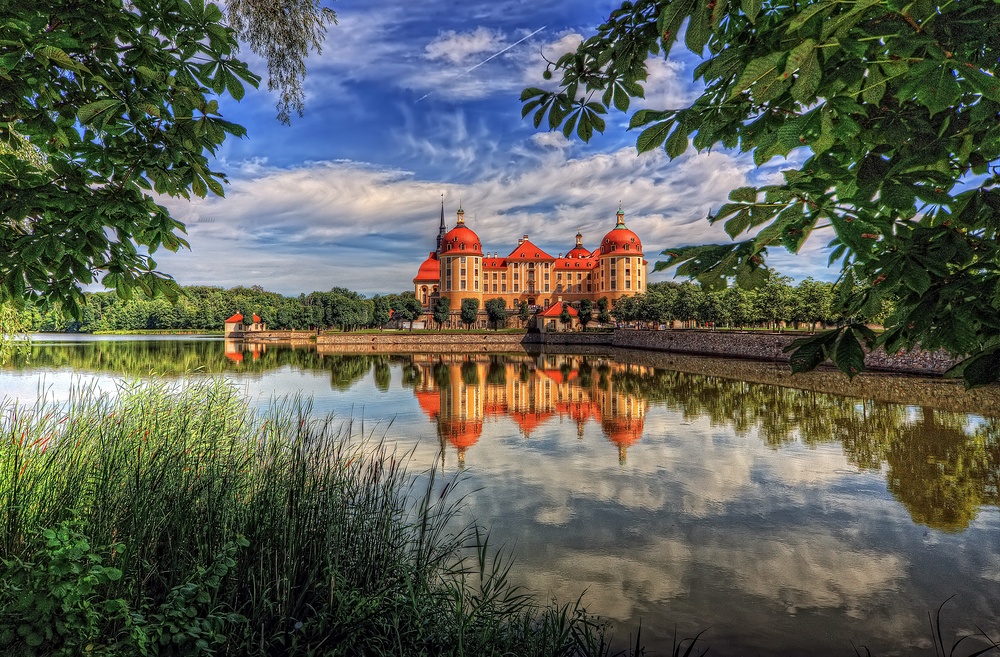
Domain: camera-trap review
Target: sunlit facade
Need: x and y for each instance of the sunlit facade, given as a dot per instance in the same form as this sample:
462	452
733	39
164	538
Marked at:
459	269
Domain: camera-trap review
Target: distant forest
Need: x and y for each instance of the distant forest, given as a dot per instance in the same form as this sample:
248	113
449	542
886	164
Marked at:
206	308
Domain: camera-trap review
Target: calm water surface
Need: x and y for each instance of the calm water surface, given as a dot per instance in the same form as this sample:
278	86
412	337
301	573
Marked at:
677	491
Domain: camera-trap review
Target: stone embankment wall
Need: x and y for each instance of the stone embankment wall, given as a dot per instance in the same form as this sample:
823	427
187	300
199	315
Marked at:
273	336
406	342
768	347
722	344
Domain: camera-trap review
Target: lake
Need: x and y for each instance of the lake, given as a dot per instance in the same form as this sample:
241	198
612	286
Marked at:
781	515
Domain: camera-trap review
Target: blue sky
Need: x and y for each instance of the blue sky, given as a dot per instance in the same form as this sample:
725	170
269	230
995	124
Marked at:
393	120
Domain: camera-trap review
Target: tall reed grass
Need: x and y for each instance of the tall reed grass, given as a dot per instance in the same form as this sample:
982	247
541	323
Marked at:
170	520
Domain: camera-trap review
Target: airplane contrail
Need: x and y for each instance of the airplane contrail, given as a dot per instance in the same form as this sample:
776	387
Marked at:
496	54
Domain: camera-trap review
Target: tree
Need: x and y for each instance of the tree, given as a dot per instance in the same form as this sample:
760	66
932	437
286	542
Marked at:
625	309
283	34
603	316
105	104
523	312
496	311
408	307
469	312
380	311
894	106
586	312
441	311
564	317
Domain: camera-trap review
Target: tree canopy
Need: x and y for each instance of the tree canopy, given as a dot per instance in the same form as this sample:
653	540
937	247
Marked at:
104	105
892	108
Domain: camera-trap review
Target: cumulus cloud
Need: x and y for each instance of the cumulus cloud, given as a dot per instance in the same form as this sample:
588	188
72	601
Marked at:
456	48
304	228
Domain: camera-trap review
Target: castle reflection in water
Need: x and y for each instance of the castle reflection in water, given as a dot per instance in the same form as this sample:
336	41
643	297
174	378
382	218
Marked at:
458	392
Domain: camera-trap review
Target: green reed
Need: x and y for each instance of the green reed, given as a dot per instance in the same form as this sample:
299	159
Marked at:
180	520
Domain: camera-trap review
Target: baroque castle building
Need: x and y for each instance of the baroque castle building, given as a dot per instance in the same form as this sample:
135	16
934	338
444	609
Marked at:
459	269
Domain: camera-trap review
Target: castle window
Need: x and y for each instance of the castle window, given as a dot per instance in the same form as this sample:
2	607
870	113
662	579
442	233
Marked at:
462	271
463	284
515	287
463	257
494	287
626	247
503	288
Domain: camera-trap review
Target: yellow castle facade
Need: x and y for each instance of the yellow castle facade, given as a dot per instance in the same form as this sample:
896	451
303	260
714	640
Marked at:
459	269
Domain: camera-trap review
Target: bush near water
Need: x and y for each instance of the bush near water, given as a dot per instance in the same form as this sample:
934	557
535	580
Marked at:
180	521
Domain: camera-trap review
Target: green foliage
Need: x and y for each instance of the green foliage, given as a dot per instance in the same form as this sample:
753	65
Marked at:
406	307
496	311
892	108
120	101
603	316
201	307
586	312
55	602
469	312
380	311
564	317
441	311
523	312
284	37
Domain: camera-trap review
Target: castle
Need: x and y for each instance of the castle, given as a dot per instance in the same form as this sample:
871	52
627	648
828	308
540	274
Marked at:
459	269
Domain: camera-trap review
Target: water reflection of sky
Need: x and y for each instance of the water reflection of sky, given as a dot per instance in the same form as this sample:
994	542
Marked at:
678	500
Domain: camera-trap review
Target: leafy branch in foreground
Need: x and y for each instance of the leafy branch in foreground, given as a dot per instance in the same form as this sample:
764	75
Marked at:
120	101
895	108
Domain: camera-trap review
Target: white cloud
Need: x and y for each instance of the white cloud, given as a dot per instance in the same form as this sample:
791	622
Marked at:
458	48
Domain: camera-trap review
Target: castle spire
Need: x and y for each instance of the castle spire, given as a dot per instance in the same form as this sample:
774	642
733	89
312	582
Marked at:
442	229
621	216
461	215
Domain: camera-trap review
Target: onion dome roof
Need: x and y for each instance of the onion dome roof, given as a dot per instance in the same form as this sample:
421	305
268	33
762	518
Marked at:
528	421
461	240
578	251
238	317
623	431
430	270
429	402
620	239
462	434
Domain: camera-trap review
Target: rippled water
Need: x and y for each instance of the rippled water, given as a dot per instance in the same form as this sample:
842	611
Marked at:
782	515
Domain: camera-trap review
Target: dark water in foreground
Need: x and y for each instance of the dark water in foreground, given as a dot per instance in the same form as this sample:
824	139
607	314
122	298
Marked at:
677	491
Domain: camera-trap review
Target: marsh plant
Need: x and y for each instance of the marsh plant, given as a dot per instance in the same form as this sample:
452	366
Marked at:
181	520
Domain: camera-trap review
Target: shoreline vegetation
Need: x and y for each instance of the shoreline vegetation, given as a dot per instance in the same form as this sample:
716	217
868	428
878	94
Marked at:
166	520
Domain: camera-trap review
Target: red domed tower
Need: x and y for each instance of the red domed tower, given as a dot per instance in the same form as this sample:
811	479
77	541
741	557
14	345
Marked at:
461	260
622	266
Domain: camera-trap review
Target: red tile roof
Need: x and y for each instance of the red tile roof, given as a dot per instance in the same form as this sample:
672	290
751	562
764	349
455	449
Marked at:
556	309
528	251
235	318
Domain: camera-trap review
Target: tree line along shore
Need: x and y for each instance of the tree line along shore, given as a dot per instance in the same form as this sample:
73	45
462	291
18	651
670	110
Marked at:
203	308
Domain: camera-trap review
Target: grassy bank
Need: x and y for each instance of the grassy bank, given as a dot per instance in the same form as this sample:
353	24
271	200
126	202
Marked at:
179	521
